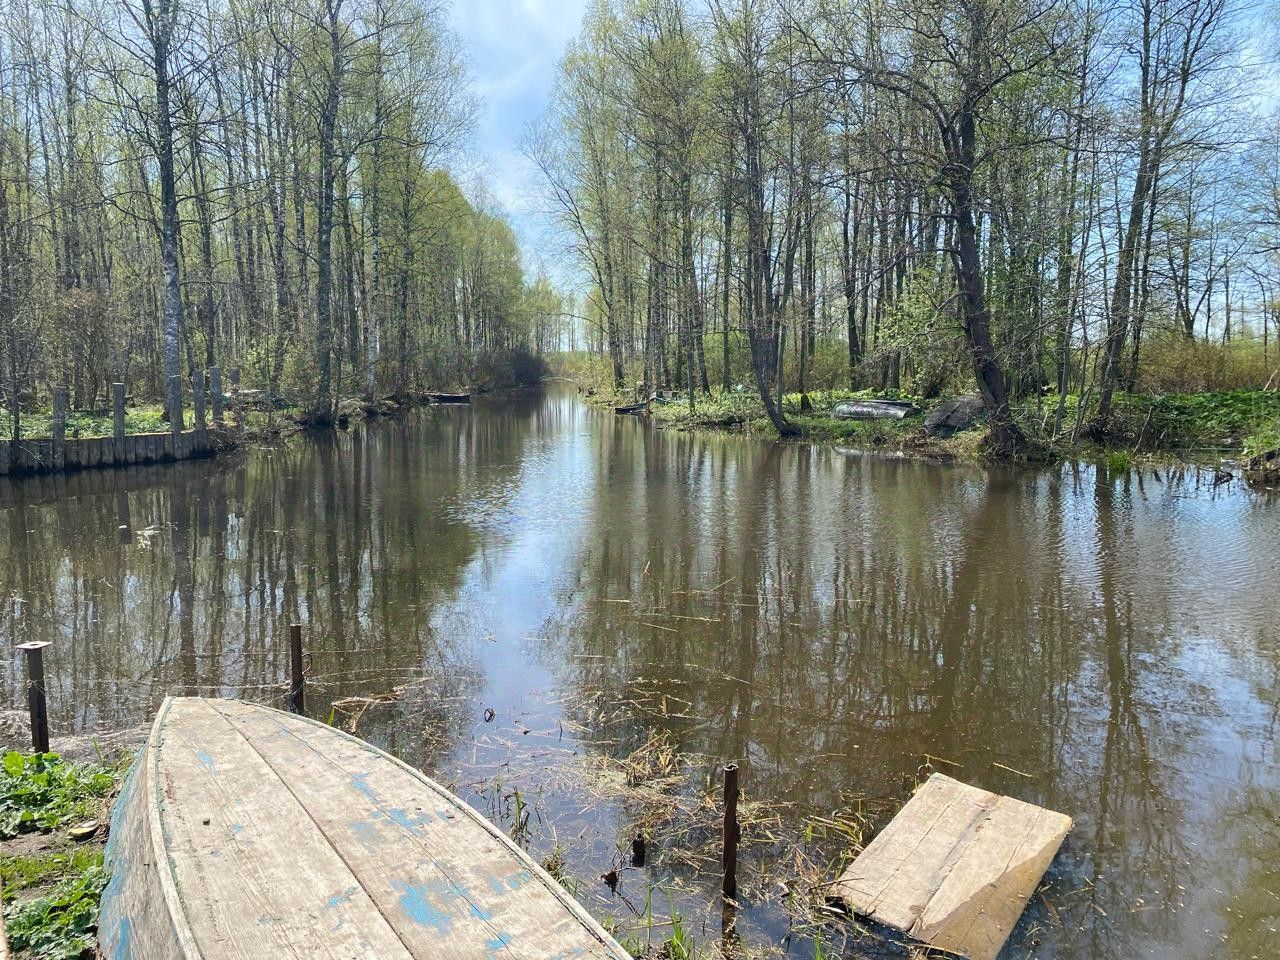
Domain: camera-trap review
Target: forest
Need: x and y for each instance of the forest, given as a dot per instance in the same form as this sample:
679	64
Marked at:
1059	202
252	184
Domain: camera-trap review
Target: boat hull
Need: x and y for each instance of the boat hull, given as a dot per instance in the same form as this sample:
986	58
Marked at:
246	832
873	410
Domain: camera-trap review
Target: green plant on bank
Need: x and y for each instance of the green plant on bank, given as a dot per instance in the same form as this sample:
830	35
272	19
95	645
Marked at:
62	924
40	791
144	418
33	871
52	883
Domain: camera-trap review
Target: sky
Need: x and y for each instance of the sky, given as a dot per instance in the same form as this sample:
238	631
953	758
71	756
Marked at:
513	47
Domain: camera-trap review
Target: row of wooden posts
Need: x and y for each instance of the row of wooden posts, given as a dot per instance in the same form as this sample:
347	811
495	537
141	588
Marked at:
206	396
58	453
37	702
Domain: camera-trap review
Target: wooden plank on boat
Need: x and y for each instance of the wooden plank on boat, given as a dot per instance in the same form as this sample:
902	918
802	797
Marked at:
247	832
955	868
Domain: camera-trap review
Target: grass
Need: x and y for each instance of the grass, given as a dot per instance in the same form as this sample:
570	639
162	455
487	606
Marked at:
52	882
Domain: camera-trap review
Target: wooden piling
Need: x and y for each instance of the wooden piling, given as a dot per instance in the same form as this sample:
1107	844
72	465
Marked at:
297	690
198	387
117	421
37	697
732	833
215	393
237	412
59	427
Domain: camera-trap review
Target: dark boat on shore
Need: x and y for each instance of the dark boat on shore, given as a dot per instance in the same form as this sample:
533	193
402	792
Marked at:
449	397
631	408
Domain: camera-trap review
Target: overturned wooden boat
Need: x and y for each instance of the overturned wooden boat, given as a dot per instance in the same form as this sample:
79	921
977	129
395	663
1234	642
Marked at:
631	408
873	410
246	832
449	397
955	868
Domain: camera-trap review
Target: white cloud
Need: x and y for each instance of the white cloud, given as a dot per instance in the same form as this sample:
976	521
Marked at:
514	47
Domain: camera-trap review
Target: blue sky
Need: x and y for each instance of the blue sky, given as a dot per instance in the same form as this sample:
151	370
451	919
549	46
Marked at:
513	47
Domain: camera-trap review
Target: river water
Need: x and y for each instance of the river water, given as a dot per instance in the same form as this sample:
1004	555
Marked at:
531	586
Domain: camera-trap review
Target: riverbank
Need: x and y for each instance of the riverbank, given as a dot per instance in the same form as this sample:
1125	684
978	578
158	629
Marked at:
1214	429
86	441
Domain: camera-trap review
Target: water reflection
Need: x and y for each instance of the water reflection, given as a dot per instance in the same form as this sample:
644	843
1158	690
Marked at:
1105	646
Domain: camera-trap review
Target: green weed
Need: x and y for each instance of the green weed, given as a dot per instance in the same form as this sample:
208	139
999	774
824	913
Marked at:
62	924
24	871
40	791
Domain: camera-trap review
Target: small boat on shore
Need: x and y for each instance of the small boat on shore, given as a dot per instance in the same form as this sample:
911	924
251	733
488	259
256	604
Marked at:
873	410
631	408
449	397
246	832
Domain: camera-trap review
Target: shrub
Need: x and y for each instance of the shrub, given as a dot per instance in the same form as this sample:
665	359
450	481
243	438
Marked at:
1172	364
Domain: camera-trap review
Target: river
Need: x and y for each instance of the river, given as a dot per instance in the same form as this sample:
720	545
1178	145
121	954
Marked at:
532	585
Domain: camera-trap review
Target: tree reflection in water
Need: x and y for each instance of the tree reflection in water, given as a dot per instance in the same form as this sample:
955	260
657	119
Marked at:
1105	646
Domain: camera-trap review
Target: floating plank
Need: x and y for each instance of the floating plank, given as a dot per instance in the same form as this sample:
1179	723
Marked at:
955	868
246	832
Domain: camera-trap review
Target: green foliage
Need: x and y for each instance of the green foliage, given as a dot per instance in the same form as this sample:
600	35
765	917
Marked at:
40	791
1225	418
25	871
1119	461
146	418
62	924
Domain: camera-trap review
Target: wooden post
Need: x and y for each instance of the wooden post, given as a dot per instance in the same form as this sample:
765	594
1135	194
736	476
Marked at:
731	831
117	416
237	414
197	399
59	427
297	691
37	698
215	393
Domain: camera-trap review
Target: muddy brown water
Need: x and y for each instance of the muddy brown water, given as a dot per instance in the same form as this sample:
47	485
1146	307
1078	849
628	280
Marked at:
1108	646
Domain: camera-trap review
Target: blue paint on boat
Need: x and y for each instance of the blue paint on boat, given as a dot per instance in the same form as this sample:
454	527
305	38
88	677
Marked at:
401	817
419	908
338	899
465	895
497	944
361	782
124	940
518	880
207	762
365	831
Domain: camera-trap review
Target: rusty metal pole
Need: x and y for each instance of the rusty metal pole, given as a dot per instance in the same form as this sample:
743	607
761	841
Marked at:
37	697
731	831
298	680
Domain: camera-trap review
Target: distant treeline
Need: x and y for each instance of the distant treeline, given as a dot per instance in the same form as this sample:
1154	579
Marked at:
1025	195
256	183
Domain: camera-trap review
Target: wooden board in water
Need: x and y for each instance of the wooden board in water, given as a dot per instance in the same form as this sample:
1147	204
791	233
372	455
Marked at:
955	868
244	832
